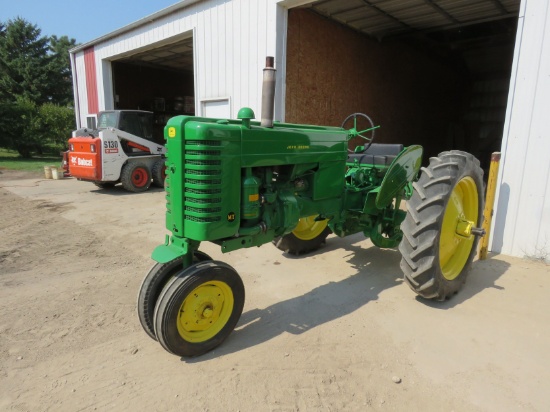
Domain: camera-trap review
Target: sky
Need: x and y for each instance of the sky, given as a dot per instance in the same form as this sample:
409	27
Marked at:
79	19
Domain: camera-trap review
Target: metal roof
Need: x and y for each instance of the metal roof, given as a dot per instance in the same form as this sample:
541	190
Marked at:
384	18
375	18
141	22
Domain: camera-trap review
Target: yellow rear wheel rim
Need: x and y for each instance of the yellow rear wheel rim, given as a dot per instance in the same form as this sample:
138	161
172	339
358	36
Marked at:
205	311
308	228
454	245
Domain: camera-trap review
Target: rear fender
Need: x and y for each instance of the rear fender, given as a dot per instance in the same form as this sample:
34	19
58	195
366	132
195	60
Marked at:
402	170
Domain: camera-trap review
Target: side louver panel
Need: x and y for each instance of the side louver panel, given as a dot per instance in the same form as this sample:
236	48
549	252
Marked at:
204	189
203	181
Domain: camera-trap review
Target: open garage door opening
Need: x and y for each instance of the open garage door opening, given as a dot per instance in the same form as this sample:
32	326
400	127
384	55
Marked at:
428	72
160	80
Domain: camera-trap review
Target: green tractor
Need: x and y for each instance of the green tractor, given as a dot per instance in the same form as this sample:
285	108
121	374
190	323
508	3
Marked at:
241	183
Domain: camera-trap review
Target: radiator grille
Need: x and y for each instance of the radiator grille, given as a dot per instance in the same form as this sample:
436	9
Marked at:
203	210
205	162
203	152
211	143
193	191
208	219
203	181
200	201
214	172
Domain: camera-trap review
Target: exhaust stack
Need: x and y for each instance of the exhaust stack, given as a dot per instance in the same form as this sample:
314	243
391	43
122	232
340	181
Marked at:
268	93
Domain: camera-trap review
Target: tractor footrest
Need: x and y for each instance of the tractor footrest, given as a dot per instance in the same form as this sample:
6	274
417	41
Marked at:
378	154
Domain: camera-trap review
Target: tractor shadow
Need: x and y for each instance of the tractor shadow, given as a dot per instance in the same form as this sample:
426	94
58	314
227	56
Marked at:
377	270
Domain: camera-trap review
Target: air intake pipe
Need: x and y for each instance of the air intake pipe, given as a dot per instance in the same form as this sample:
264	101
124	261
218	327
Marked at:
268	93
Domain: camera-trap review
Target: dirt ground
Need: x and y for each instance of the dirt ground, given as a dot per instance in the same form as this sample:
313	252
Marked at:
329	331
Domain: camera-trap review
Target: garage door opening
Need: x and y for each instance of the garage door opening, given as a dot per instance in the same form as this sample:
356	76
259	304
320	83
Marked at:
430	76
160	80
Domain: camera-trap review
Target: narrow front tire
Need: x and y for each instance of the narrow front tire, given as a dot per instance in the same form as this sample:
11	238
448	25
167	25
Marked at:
199	308
151	287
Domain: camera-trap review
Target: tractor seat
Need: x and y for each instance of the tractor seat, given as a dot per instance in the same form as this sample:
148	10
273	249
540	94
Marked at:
378	154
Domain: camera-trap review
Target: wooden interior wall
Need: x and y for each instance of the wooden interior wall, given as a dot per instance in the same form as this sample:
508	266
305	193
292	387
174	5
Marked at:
333	71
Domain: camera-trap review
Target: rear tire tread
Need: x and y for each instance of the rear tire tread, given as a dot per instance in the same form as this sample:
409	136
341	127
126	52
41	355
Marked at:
426	208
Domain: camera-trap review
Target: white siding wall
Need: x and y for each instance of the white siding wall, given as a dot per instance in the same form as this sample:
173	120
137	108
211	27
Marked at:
231	41
522	220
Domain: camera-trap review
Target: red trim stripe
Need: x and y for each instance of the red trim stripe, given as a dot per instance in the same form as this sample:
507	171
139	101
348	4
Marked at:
91	81
140	147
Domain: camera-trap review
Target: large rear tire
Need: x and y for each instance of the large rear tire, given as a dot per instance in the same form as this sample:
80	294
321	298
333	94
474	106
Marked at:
152	285
438	246
307	236
199	308
135	177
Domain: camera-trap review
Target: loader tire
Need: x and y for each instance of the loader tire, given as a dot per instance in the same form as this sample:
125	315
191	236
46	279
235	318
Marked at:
135	177
199	308
151	287
437	248
307	236
159	172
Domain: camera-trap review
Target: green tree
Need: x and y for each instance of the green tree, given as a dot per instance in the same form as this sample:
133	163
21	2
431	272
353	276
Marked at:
35	88
55	124
25	64
19	126
61	82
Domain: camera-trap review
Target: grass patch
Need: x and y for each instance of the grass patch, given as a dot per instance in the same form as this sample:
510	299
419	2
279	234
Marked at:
10	159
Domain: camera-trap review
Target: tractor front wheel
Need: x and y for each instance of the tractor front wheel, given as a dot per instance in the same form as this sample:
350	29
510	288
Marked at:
135	177
440	232
199	308
152	285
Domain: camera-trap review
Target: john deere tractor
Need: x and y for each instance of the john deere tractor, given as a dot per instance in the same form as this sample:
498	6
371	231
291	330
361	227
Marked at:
241	183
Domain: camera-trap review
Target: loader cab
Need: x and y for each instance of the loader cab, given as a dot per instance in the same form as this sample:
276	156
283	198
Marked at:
136	122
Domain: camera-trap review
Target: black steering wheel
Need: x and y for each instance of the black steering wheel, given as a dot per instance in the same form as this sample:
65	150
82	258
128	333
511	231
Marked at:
365	133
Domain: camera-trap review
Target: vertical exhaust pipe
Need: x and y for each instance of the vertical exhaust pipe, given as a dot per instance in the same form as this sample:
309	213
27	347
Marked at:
268	93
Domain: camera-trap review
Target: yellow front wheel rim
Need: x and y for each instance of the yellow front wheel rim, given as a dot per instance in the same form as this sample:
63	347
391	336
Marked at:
308	228
205	311
455	242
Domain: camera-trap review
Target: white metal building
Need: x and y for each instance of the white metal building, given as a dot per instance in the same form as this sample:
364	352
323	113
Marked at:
465	74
